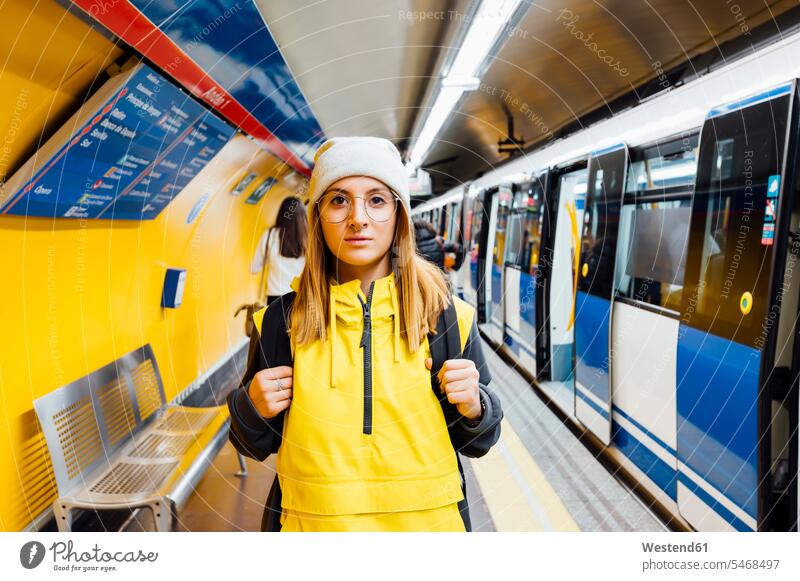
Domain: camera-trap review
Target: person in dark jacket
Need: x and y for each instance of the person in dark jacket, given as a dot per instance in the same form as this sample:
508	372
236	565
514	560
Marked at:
430	245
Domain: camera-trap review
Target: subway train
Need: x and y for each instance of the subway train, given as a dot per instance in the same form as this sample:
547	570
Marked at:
643	272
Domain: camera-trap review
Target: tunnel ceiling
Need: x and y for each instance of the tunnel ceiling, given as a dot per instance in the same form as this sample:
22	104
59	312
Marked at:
369	68
548	67
364	67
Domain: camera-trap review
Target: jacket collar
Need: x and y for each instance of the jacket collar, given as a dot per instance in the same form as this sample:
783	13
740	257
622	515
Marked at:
345	307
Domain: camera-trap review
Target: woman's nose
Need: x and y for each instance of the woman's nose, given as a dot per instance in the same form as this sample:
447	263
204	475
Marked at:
358	212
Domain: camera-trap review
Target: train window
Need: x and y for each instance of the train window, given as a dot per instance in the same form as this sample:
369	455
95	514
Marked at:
676	170
467	219
731	242
652	251
654	224
503	209
599	237
528	207
533	238
514	239
456	224
723	160
515	225
449	225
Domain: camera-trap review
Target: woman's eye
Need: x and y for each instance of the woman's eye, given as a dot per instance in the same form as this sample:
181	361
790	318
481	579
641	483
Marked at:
338	200
378	201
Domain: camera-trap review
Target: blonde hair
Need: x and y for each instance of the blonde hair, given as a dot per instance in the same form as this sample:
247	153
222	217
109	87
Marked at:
423	290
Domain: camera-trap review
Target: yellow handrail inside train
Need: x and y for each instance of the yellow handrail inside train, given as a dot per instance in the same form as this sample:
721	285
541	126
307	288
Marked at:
575	244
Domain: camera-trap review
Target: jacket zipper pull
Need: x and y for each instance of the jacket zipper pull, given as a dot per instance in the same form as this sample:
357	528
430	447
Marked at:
366	325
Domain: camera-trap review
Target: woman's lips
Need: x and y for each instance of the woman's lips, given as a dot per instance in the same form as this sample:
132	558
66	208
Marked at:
358	241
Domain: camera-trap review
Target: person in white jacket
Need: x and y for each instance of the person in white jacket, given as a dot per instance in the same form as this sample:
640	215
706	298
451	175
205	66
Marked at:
281	250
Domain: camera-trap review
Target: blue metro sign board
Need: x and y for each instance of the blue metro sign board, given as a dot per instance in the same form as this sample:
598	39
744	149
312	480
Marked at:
231	42
132	156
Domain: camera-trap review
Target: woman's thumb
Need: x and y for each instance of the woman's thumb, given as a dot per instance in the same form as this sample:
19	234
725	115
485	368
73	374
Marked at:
428	362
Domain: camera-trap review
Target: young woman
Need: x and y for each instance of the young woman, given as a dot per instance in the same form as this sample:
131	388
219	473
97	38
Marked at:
361	438
281	250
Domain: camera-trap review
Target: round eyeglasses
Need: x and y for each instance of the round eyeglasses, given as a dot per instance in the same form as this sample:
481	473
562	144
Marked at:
334	207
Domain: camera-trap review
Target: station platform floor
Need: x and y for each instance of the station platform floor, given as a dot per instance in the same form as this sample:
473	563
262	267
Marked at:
538	477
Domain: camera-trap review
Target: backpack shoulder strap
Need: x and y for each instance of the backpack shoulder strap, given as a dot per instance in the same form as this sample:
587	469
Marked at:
276	348
446	343
271	337
275	337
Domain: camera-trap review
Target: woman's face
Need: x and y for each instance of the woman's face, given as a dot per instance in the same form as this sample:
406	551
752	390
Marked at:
359	239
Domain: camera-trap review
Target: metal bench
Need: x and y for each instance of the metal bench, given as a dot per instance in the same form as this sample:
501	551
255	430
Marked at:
116	443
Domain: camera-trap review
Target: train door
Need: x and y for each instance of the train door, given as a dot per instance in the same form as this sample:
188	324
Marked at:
735	367
498	224
522	261
605	188
562	216
650	264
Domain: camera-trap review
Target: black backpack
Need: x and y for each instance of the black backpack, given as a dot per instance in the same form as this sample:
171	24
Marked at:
444	345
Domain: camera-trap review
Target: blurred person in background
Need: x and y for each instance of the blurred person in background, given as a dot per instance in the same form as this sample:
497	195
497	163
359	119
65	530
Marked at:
446	255
280	254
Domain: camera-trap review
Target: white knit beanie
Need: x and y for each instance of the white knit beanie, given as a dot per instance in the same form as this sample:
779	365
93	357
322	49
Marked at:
341	157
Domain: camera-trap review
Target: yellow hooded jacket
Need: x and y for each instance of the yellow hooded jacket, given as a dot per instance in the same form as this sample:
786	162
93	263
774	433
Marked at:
365	445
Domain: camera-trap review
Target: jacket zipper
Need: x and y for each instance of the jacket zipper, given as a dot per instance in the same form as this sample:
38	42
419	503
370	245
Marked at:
366	343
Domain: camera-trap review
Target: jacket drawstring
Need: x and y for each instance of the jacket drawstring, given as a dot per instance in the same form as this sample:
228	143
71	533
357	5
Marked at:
395	319
333	338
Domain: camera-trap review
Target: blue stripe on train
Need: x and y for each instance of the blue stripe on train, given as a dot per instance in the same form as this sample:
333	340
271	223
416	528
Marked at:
591	344
497	285
716	506
752	100
527	315
638	425
656	469
665	476
717	401
473	274
661	473
592	404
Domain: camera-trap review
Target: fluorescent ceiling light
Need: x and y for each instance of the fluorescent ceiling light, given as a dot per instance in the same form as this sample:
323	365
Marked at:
465	83
445	101
481	36
489	19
